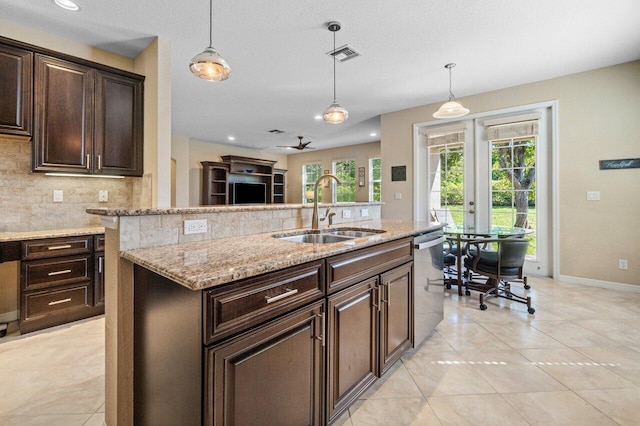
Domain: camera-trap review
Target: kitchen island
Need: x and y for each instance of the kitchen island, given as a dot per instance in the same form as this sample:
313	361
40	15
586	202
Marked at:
225	328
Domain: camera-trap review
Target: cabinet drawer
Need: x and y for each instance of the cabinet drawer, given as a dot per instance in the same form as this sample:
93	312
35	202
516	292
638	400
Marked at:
46	273
57	247
350	268
241	305
56	301
98	242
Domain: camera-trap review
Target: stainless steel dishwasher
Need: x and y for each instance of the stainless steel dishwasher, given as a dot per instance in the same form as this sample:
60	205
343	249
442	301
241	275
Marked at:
428	282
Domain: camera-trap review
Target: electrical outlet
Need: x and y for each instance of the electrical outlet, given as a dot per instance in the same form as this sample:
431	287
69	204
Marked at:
197	226
58	196
623	264
346	214
593	195
103	195
364	212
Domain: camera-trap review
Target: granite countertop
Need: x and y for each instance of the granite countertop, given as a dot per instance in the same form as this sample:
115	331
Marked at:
49	233
204	264
218	209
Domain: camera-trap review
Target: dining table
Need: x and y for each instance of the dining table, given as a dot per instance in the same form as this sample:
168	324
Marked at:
463	234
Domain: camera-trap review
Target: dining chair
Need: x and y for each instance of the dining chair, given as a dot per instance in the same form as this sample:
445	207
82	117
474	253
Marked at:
499	266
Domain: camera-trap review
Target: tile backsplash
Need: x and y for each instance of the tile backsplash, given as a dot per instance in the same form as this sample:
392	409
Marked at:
26	199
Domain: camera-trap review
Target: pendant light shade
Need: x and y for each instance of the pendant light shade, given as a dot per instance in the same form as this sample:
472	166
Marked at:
209	65
451	109
335	114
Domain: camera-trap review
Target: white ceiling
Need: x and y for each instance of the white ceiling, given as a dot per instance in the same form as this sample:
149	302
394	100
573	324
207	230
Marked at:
281	77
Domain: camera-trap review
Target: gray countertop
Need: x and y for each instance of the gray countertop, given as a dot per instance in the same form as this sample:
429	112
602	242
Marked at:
204	264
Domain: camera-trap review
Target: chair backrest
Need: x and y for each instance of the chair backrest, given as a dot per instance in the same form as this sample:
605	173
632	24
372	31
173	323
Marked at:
513	252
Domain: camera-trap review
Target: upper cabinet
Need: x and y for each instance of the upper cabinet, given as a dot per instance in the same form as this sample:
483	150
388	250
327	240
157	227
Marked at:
87	117
16	88
63	130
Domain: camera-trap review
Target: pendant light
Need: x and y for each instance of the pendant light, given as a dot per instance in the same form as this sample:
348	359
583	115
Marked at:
451	109
209	65
335	114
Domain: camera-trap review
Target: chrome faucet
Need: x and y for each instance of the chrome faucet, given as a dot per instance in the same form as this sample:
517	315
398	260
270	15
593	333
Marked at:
314	219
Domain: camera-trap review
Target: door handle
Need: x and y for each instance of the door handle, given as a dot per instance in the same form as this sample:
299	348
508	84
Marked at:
472	211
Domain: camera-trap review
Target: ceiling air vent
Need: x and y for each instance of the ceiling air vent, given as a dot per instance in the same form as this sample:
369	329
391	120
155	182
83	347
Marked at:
344	53
276	131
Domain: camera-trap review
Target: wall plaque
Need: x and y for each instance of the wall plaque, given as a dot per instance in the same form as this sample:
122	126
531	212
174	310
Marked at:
627	163
398	173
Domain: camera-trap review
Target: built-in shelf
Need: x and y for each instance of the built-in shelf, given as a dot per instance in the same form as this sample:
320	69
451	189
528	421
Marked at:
217	177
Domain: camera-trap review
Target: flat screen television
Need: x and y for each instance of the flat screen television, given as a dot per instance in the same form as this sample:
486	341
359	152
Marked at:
248	193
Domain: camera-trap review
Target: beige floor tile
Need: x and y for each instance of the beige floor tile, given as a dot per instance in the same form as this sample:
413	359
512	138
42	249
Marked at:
475	410
574	370
447	374
95	420
556	408
396	411
508	376
396	383
571	334
343	420
622	331
435	343
521	335
470	336
619	404
619	359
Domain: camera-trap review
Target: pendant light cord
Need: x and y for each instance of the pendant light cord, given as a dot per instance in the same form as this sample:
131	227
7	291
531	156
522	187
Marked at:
334	67
450	92
210	23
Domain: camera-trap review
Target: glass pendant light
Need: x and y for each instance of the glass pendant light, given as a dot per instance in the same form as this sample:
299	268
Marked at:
209	65
451	109
335	114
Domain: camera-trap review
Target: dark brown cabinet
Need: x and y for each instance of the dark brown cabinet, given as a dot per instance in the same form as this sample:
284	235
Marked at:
118	125
16	87
396	315
87	121
98	279
57	282
63	131
271	375
222	181
352	344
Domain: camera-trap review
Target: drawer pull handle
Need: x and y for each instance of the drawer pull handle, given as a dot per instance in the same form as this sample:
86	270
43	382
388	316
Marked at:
287	293
57	302
59	247
66	271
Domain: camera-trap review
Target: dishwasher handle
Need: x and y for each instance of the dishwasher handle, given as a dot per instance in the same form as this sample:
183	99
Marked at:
429	243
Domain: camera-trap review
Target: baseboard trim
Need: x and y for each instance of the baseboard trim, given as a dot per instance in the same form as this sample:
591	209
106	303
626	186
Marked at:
599	283
9	316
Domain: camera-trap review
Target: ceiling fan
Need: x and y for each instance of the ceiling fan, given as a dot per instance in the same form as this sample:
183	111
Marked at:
300	145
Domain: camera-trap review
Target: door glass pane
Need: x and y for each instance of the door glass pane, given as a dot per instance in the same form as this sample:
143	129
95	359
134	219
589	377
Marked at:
310	172
446	183
513	192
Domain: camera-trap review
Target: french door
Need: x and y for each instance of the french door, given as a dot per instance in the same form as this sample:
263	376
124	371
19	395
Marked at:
493	171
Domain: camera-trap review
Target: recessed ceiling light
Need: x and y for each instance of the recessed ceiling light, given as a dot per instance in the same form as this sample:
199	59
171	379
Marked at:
373	134
318	117
231	138
67	5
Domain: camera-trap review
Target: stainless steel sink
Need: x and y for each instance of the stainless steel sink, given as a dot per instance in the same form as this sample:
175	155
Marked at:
316	238
328	236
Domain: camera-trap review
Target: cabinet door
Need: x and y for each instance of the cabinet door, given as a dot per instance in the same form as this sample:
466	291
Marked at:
272	375
98	280
396	319
16	86
63	128
352	345
118	125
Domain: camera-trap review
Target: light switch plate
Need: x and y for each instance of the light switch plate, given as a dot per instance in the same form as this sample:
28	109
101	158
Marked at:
593	195
58	196
346	214
103	195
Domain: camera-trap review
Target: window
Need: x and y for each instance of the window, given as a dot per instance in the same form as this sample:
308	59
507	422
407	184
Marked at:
446	179
346	171
310	173
375	179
